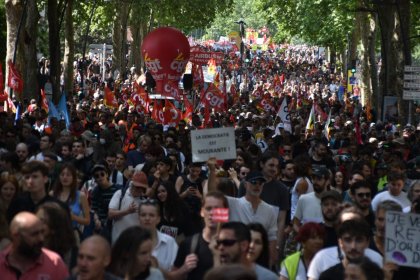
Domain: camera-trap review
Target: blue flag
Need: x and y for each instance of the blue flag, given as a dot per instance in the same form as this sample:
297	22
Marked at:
62	110
52	113
18	112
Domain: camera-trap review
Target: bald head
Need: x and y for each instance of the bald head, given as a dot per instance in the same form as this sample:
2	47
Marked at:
23	221
99	243
94	256
22	151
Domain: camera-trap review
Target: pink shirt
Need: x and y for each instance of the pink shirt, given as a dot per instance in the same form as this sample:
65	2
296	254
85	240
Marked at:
49	266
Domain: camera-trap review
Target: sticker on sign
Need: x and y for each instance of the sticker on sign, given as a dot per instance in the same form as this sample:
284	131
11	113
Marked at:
220	215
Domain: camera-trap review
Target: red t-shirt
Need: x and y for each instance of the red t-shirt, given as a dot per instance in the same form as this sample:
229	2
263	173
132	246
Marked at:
49	266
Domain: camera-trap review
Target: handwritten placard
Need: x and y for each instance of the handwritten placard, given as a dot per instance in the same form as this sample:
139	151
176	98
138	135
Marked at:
402	238
213	142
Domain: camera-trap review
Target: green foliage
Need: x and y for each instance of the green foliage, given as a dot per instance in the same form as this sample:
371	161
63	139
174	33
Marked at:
320	22
246	10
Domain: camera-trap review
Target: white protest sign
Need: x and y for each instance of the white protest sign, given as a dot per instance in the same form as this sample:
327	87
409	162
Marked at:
213	142
402	238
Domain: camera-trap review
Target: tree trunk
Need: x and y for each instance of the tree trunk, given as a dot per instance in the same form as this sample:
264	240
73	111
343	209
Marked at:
373	24
119	38
68	49
392	68
14	11
29	58
54	46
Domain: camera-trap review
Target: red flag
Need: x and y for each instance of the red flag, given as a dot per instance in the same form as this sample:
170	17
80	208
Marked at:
157	113
172	90
1	79
171	115
198	76
140	97
109	98
321	112
213	98
187	116
3	96
266	105
44	101
358	133
14	80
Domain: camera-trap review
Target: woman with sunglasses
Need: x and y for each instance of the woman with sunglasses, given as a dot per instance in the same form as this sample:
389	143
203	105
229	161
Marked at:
131	256
66	189
164	246
174	211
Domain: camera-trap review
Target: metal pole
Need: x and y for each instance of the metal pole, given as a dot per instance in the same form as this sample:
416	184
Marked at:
103	62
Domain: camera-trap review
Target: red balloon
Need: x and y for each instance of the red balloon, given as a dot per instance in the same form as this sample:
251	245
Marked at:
166	52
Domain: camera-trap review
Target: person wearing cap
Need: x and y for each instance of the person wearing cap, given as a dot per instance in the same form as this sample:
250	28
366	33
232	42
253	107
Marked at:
330	207
124	204
308	208
251	208
361	196
100	198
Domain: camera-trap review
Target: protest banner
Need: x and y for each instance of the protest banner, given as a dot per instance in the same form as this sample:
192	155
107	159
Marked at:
203	57
214	142
402	238
220	215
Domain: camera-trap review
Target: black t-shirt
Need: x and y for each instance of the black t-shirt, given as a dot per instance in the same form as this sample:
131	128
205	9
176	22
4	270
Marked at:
24	202
205	257
335	272
325	162
330	239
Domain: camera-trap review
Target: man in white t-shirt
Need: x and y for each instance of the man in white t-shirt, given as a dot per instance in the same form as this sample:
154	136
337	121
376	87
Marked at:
123	210
308	208
330	256
394	192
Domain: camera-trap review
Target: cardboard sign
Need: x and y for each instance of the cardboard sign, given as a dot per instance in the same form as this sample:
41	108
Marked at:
214	142
402	238
220	215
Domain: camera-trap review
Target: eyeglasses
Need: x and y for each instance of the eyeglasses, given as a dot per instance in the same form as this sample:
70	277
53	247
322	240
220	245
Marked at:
99	174
256	181
225	242
366	194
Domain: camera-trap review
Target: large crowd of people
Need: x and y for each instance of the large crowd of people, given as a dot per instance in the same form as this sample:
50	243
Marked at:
114	193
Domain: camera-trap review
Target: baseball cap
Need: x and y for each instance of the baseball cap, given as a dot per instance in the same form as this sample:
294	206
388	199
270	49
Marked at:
331	194
139	179
255	176
99	167
321	172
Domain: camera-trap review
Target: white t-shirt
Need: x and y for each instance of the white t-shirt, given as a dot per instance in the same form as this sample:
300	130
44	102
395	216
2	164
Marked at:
401	199
295	195
240	210
125	221
308	208
328	257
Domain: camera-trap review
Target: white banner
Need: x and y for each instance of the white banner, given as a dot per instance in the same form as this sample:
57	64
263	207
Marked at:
284	115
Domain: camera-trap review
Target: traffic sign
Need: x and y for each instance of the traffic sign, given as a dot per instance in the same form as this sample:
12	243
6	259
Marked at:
412	77
411	95
411	68
409	85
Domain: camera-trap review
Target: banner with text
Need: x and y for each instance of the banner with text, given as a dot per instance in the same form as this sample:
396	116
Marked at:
214	142
203	57
402	238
